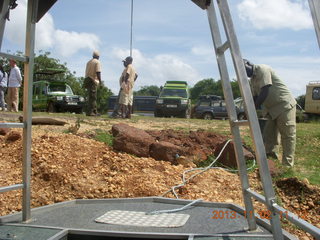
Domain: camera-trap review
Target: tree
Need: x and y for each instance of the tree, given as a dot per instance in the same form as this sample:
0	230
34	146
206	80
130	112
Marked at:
148	91
212	87
301	100
103	95
206	87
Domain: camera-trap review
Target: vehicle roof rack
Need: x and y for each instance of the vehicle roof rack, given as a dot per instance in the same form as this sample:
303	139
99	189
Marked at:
50	71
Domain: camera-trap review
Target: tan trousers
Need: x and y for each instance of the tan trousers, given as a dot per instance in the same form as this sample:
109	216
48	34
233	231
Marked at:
285	124
13	99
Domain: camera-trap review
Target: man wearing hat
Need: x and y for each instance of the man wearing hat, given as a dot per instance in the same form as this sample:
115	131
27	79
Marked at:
91	81
280	107
14	83
127	79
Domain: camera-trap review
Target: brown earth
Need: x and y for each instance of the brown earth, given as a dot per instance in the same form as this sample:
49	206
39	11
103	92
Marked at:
71	166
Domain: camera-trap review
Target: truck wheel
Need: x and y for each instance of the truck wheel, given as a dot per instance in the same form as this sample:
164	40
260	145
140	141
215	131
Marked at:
207	116
242	116
157	114
51	108
79	111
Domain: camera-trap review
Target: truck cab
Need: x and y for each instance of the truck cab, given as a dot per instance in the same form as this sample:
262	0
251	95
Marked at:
312	101
174	100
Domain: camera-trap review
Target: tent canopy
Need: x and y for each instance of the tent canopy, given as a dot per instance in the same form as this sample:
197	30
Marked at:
202	3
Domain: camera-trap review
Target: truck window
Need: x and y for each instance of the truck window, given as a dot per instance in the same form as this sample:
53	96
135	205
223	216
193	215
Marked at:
205	103
174	93
36	90
316	93
60	88
43	90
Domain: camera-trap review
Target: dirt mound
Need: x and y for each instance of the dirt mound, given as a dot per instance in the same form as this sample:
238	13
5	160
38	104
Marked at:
301	198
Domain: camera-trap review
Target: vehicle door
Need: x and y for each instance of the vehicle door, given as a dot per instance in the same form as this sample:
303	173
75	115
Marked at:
36	96
220	110
40	96
202	107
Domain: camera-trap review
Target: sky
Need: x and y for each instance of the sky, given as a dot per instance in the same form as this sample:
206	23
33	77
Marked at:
172	39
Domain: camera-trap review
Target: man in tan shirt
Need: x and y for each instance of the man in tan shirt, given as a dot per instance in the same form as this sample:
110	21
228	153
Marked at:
280	107
127	79
91	81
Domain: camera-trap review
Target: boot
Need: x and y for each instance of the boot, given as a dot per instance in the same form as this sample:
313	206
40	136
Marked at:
123	111
129	111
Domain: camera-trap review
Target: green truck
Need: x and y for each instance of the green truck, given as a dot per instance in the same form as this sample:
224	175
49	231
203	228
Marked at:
55	96
174	100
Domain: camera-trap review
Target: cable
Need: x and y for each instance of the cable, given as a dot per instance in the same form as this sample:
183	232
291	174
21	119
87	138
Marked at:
174	210
185	180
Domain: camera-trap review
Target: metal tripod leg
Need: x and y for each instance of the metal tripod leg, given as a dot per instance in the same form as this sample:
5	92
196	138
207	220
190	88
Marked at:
232	113
220	48
4	9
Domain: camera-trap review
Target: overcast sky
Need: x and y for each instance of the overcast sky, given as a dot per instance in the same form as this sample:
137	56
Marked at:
171	38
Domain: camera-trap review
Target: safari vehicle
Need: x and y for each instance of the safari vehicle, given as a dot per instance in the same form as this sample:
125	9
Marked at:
312	101
212	106
174	100
55	96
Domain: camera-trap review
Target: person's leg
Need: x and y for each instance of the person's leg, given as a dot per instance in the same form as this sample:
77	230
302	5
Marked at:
92	99
130	103
9	99
270	138
2	102
287	127
15	99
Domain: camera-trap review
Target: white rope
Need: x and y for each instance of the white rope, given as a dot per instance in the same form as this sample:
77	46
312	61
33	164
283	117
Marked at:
185	180
174	210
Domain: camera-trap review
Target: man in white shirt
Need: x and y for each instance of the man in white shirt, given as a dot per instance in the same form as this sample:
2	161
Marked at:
14	83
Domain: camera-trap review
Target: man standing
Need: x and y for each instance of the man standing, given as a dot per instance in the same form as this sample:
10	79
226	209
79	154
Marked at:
91	81
280	108
14	83
127	79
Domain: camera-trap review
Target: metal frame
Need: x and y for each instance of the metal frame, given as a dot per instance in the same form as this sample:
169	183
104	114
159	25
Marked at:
27	100
315	13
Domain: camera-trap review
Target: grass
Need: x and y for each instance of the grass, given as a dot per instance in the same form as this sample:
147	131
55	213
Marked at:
103	136
307	162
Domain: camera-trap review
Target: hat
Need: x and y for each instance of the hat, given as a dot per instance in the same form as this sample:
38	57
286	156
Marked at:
95	53
128	59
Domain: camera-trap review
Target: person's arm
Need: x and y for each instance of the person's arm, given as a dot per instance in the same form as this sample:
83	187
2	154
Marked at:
126	78
258	100
18	74
99	76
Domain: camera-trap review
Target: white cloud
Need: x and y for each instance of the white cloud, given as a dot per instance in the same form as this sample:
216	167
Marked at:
276	14
154	70
47	36
68	43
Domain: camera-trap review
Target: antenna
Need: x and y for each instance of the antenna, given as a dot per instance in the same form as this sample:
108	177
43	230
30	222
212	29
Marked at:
131	28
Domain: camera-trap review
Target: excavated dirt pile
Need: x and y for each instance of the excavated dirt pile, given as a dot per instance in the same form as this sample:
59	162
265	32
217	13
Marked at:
66	166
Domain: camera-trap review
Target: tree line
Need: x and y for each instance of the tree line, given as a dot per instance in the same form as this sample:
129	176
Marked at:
43	62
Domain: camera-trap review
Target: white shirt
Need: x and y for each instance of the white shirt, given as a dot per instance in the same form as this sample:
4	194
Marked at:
15	78
3	79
